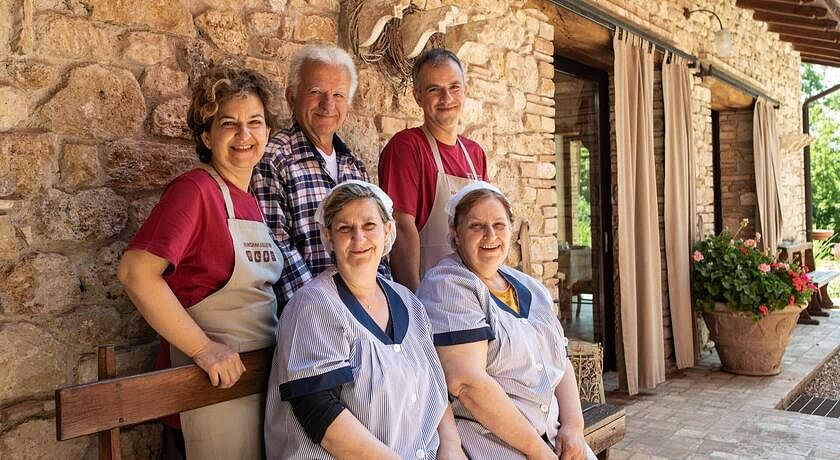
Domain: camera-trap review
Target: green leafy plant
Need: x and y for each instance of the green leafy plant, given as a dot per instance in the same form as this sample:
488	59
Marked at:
823	250
733	271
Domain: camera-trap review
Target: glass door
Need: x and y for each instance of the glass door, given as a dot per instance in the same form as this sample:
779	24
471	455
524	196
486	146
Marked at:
586	306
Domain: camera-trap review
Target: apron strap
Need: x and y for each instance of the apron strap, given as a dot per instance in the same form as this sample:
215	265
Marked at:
222	186
469	160
436	152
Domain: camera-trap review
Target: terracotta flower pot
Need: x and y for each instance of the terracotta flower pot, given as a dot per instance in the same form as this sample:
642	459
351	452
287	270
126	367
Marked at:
750	347
821	234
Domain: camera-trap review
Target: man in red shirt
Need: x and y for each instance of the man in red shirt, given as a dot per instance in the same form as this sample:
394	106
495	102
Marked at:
420	168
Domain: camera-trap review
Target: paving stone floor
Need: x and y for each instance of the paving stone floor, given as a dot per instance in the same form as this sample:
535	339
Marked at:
704	413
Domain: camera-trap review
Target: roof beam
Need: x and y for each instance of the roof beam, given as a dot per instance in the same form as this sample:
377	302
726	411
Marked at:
826	45
784	8
819	61
816	52
815	24
826	35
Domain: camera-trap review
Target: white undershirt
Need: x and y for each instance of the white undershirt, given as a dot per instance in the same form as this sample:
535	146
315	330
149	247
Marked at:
332	163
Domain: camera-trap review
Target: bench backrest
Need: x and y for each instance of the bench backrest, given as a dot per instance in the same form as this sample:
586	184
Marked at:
117	402
105	406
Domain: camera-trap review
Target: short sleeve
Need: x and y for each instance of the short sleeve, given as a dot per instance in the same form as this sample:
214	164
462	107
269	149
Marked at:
399	173
173	223
313	352
457	310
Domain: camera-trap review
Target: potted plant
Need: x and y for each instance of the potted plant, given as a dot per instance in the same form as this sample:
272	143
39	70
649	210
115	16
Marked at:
749	300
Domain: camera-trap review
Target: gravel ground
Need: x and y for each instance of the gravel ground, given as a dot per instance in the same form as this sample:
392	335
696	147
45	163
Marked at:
827	382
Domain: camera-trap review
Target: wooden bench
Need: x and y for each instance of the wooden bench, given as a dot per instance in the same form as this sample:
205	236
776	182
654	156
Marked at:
103	407
803	254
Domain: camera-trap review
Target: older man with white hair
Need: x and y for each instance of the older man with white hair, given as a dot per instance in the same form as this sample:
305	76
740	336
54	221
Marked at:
304	161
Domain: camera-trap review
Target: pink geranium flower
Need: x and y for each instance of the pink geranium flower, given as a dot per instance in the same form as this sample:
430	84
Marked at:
697	256
763	310
757	236
792	300
836	251
764	268
750	243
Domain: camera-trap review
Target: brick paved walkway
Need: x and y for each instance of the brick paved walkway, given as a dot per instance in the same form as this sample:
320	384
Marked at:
703	413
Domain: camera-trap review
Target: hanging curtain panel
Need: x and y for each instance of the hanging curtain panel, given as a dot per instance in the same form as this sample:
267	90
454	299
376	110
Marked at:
638	230
767	177
680	212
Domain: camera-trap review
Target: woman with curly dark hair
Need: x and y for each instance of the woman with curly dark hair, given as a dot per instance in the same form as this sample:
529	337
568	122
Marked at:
201	267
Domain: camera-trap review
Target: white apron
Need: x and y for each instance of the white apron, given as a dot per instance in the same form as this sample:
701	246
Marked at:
243	316
434	237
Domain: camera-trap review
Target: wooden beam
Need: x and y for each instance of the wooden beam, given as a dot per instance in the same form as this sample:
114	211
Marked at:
821	60
93	407
817	51
822	44
109	441
726	97
810	60
804	33
815	24
792	9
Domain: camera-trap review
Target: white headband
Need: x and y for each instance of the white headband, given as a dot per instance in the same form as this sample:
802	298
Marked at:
456	198
381	197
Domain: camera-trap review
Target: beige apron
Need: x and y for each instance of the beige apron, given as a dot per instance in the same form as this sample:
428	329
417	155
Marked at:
434	237
243	316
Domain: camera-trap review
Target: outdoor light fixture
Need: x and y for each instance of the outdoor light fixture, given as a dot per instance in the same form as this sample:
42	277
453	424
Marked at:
723	39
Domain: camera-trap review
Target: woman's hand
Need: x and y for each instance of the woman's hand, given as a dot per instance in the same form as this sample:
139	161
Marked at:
542	452
570	444
222	364
450	452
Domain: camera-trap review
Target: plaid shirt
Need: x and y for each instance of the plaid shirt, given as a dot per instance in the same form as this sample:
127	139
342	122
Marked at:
289	182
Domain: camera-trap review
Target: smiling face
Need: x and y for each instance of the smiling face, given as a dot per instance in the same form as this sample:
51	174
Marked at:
357	235
483	235
440	92
237	136
321	100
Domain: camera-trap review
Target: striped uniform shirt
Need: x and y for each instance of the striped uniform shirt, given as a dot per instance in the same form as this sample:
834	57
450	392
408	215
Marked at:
395	388
526	351
289	182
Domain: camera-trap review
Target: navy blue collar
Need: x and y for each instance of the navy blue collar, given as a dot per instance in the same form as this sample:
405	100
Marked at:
523	296
396	309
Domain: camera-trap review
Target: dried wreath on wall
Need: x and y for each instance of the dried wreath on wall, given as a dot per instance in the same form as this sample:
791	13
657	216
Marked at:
390	35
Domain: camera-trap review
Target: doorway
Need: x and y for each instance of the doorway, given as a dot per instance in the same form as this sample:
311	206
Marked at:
586	304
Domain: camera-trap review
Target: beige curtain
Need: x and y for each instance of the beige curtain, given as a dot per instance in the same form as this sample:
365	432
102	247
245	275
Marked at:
767	177
640	283
680	212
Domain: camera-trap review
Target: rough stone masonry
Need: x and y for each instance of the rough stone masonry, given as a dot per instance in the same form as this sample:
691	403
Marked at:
93	97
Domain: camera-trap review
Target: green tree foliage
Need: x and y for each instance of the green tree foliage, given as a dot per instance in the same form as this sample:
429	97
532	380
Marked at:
825	150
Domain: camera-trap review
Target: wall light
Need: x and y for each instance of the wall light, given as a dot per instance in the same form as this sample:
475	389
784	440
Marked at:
723	39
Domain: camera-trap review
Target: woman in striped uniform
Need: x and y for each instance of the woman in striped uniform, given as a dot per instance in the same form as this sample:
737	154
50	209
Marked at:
502	349
355	373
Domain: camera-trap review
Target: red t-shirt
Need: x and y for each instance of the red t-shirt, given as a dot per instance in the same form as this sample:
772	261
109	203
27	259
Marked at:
408	173
188	227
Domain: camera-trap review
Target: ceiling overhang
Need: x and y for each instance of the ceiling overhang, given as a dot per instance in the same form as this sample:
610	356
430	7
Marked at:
811	26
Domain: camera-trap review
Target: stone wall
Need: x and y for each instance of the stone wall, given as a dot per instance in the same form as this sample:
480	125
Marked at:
93	96
737	171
